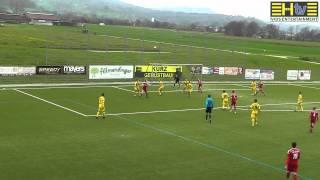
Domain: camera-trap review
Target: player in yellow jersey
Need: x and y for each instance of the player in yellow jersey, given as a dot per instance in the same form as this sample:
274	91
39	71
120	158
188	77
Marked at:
137	88
101	106
189	88
299	102
161	87
254	87
255	109
225	100
185	85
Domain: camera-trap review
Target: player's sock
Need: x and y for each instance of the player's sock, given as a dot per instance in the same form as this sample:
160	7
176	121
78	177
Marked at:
252	120
288	175
206	116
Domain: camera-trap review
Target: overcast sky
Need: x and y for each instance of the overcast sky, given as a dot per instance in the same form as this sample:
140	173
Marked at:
253	8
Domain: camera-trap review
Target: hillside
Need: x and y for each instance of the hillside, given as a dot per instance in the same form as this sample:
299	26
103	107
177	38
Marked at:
116	9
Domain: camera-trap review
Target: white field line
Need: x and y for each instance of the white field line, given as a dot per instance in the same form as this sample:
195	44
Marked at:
222	50
64	87
199	109
123	89
49	102
272	110
209	146
180	90
242	85
109	86
152	82
152	112
201	47
138	52
305	86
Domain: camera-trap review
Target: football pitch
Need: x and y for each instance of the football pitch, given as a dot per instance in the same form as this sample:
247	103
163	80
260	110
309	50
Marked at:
51	133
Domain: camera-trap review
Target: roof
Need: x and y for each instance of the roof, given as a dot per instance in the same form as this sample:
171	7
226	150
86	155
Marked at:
12	17
42	16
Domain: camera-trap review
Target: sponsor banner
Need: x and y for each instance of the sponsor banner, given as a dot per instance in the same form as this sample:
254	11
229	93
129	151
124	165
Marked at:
234	71
221	71
207	70
252	74
74	70
49	70
216	70
17	71
158	69
111	72
196	69
266	75
154	75
150	71
292	75
304	75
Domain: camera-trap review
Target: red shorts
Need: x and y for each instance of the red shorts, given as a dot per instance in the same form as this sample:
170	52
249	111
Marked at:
312	123
292	168
233	103
144	89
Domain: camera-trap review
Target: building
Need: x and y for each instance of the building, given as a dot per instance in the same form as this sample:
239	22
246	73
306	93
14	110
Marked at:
42	18
12	18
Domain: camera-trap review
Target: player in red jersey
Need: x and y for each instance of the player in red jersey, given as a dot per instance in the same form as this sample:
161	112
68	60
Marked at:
233	100
292	161
314	117
199	86
261	88
145	88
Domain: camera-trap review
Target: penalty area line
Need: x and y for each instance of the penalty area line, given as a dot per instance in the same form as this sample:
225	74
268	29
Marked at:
49	102
243	108
123	89
210	146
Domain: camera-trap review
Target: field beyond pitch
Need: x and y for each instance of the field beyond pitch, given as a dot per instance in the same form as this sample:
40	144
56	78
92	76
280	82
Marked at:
163	137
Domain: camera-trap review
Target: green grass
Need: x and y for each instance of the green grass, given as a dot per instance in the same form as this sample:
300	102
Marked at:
26	45
42	141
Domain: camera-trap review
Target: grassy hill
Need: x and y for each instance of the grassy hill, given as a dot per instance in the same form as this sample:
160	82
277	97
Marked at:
39	45
119	10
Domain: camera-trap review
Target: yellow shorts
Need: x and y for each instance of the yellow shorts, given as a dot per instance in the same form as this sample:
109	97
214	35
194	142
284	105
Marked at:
101	109
160	88
254	115
225	101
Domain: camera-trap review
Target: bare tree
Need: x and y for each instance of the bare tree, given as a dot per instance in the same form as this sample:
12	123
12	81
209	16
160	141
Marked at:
252	29
272	31
291	32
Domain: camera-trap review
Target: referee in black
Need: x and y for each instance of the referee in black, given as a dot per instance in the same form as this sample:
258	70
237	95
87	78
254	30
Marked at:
176	79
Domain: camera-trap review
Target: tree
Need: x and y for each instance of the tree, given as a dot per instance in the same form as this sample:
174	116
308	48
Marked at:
291	32
252	29
235	28
272	31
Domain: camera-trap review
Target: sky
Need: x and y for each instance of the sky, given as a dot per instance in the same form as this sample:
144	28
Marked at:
259	9
251	8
